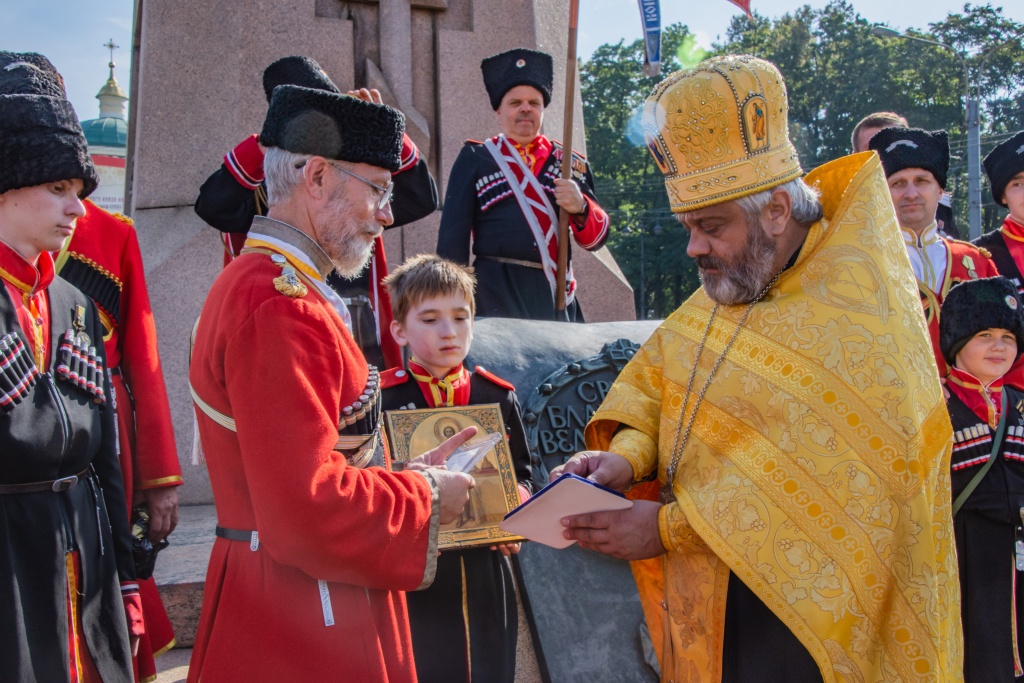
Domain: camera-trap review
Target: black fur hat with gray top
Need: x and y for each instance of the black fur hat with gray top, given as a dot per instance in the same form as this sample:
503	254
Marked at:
301	71
41	140
902	148
520	66
1003	163
976	305
334	126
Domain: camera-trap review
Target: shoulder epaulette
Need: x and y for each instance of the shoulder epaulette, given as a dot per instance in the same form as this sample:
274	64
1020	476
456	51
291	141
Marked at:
393	377
577	154
95	281
981	250
124	219
494	379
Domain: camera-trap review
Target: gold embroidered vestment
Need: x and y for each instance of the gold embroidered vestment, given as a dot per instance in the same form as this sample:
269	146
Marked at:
817	468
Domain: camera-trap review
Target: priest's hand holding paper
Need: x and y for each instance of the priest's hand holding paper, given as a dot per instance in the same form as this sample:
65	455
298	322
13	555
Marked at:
630	534
600	467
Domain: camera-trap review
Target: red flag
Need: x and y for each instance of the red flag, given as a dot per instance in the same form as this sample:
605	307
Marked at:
743	5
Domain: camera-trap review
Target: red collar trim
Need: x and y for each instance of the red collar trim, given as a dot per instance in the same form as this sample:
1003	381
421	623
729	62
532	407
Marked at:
1013	229
14	268
451	390
983	401
535	152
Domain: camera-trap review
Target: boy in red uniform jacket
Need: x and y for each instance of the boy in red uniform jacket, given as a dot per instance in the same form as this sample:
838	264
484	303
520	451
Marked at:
464	625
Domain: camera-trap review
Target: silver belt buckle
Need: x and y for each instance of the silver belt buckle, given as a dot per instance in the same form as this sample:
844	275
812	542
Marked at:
64	484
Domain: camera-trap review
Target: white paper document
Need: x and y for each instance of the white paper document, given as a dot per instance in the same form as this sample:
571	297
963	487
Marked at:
540	518
465	458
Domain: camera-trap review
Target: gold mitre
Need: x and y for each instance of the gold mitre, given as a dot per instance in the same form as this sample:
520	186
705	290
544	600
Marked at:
720	131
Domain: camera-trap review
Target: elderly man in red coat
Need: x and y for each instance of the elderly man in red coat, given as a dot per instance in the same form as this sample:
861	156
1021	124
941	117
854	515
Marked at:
316	537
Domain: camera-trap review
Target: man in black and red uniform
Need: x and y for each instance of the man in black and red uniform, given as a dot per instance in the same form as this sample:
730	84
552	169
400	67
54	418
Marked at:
235	193
506	193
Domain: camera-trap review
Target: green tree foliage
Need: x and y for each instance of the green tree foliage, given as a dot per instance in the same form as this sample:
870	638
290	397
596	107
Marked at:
837	71
629	185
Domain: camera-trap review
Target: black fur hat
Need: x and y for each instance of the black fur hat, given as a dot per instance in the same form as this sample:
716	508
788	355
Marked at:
41	140
520	66
902	148
1004	162
37	60
334	126
296	71
976	305
22	77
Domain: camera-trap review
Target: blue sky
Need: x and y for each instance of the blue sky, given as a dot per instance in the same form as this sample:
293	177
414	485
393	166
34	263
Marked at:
72	34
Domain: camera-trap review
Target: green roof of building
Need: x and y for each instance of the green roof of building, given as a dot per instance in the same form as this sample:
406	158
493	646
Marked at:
109	131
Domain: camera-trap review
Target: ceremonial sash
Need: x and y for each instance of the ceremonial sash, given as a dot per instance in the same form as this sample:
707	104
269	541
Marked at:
540	215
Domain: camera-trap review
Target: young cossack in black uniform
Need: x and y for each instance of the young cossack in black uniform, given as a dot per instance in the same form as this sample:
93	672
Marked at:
982	335
67	579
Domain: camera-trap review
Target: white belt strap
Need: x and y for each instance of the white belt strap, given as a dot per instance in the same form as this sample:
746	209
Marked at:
220	418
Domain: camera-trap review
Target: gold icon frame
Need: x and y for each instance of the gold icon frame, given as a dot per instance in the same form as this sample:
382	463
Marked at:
413	432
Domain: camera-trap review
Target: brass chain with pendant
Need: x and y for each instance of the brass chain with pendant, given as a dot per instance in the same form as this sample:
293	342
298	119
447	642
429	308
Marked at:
665	495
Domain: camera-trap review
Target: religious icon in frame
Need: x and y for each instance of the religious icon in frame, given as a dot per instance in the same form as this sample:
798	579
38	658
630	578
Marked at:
412	432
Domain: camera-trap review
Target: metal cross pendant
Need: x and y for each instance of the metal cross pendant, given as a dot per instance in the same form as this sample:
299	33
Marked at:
665	495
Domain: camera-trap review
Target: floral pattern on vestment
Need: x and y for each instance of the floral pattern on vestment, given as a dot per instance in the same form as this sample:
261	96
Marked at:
817	468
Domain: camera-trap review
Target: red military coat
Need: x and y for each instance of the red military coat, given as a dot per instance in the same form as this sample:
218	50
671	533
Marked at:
964	261
103	260
319	598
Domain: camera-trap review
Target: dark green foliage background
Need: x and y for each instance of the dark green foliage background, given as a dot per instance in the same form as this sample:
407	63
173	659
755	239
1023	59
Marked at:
836	72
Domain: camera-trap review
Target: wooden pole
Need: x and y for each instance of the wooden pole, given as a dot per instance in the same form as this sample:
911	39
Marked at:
570	104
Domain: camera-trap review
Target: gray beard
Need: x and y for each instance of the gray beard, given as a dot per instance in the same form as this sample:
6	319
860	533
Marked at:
351	266
342	238
743	282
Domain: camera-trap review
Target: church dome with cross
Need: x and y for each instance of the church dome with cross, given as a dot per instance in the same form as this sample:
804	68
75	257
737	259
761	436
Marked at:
107	136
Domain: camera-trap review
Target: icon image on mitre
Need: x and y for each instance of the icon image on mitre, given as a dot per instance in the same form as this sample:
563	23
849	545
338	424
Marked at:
755	124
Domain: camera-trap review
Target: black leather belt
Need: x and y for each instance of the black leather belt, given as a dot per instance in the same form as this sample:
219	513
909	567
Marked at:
250	537
512	261
55	485
357	300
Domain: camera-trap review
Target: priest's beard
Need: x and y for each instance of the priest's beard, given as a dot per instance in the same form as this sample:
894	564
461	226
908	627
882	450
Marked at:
743	281
347	240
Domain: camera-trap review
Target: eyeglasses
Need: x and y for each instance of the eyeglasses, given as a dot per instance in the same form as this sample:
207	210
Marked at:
386	192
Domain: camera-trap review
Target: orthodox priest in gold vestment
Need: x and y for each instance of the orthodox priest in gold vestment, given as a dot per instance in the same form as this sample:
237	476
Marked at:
788	416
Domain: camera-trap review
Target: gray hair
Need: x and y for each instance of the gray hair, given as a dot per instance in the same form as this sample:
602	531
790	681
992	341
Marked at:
280	173
806	208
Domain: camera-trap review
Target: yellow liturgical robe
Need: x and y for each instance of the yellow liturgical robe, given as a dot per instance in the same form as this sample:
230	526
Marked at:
817	468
